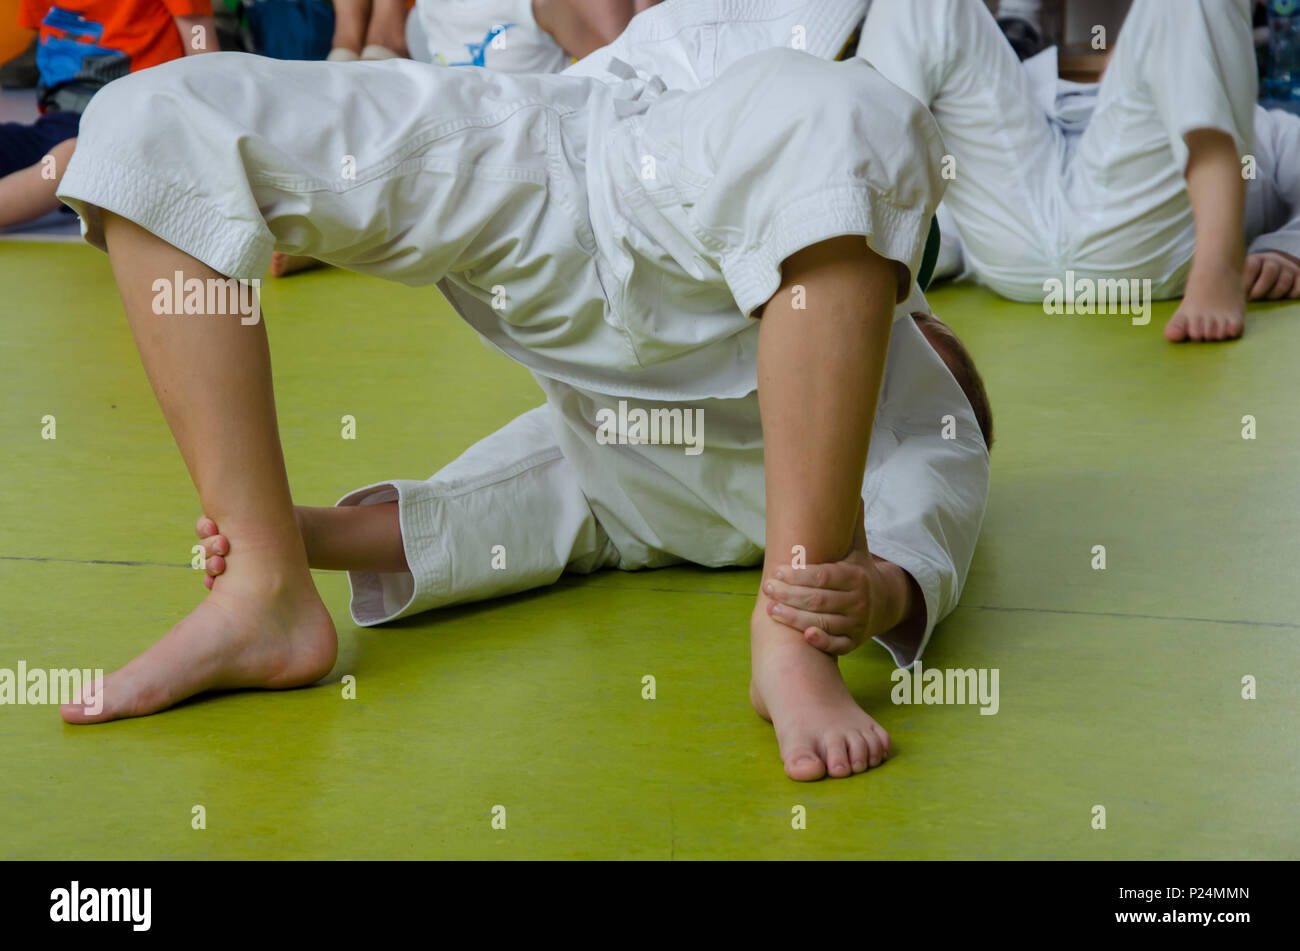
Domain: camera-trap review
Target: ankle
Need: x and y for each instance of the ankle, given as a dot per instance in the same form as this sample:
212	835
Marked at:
770	640
266	550
906	604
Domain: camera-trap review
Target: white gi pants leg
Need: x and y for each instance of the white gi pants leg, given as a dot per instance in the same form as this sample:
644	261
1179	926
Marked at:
395	169
507	516
1004	192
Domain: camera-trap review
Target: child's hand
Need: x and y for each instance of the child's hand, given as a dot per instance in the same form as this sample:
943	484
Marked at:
1213	307
1272	275
215	549
836	606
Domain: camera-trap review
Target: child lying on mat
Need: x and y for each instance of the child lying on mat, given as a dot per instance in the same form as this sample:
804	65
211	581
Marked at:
734	237
516	490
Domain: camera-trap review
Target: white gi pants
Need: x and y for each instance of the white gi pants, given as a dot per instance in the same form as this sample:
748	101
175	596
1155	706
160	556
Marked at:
1117	208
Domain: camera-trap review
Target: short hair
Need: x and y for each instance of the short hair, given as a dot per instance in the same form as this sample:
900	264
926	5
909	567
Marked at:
958	359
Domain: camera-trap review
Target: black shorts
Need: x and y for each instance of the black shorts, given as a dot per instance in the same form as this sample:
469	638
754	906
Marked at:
23	144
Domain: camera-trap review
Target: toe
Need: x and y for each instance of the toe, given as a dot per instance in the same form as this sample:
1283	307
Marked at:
204	527
859	752
837	756
88	707
880	733
214	565
802	764
876	745
875	752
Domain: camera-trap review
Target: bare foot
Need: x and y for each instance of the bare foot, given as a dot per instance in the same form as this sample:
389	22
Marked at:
820	729
263	626
283	265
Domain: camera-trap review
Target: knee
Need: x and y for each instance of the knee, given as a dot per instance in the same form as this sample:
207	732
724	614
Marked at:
156	102
808	89
883	134
133	106
891	119
1157	17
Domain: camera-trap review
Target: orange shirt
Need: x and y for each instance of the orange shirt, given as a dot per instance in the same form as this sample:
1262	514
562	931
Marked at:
142	30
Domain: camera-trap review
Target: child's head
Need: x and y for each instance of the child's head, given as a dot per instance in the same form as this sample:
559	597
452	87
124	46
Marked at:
950	348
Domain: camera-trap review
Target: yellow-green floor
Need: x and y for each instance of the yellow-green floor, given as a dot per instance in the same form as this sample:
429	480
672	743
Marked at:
1119	688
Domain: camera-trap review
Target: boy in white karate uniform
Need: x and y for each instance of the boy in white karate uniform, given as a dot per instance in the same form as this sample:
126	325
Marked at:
699	249
1154	188
1272	219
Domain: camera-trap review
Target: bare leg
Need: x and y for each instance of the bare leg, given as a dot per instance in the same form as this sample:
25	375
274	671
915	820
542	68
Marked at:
388	26
265	624
27	194
819	375
351	18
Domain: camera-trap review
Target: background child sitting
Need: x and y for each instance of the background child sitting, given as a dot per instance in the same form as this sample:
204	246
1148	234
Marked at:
83	45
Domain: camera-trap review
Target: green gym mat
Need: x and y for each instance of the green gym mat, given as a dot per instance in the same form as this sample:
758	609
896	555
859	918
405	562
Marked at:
1120	688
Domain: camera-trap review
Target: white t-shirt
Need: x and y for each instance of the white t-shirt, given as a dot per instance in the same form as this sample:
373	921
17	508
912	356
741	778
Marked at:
496	34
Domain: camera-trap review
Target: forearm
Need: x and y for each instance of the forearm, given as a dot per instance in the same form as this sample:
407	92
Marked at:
197	41
29	192
1217	193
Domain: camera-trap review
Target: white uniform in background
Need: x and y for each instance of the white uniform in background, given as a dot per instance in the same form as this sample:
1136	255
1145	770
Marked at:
1272	195
1027	204
497	34
611	235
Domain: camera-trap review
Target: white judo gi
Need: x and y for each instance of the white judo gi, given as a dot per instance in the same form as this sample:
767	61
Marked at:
1028	203
1272	219
611	235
